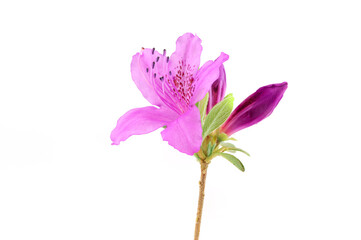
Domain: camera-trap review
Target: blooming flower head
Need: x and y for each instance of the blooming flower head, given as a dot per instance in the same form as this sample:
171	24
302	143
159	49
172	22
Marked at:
173	84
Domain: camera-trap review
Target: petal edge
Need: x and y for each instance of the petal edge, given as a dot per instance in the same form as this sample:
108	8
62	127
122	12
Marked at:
140	121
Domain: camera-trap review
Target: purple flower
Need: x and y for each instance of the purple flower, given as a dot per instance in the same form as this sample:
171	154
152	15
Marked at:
255	108
174	84
218	89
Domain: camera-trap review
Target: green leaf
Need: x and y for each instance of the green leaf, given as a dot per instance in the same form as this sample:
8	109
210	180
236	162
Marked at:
235	161
209	149
218	115
239	150
231	148
202	106
228	145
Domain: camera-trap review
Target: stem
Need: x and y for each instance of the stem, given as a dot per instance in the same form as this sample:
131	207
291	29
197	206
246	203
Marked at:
202	185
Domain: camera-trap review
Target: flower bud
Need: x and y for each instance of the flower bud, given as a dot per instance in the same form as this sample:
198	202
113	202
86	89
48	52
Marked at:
218	89
255	108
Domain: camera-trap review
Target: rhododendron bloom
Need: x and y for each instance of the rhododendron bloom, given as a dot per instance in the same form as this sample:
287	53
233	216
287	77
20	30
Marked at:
190	103
173	84
255	108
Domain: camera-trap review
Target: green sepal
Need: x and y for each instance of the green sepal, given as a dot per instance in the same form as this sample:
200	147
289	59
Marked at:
202	106
235	161
222	137
218	115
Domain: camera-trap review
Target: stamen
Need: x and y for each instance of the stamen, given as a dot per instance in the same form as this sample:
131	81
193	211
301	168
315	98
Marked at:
181	85
157	59
167	59
161	78
153	65
153	50
147	69
166	98
155	75
164	52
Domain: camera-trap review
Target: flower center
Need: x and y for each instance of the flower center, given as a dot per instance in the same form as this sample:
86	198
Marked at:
183	82
174	88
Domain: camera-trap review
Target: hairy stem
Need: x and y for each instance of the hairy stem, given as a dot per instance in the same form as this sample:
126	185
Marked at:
202	185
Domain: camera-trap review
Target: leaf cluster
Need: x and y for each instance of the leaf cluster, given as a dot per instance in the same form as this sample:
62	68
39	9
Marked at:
215	143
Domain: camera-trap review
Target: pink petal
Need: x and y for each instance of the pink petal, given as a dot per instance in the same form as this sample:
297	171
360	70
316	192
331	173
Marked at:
185	133
187	54
141	121
143	79
205	77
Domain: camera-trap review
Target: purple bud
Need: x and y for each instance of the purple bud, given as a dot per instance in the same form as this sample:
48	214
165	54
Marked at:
255	108
218	89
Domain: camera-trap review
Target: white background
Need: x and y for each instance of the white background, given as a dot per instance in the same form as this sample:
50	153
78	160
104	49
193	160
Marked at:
65	80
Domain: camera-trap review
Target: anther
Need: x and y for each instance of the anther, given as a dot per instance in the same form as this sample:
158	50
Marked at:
167	59
155	75
147	69
164	52
161	78
153	65
157	59
153	50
